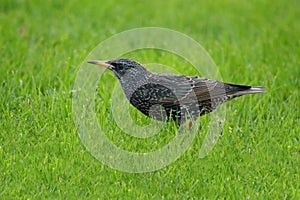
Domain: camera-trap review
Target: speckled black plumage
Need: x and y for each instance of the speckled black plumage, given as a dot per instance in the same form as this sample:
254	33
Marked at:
162	96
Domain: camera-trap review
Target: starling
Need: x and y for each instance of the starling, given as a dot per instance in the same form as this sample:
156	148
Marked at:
166	96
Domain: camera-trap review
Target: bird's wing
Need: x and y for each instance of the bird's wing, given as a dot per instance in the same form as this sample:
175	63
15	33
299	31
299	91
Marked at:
190	89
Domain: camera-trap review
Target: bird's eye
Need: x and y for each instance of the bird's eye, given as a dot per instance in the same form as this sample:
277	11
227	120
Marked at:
119	66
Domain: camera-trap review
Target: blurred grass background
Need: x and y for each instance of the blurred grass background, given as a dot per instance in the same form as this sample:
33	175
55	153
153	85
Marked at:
42	44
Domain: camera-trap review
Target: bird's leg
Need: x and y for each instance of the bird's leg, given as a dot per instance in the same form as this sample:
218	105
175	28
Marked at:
191	122
190	125
187	126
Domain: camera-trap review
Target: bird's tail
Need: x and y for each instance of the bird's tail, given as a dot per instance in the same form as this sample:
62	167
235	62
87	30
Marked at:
239	90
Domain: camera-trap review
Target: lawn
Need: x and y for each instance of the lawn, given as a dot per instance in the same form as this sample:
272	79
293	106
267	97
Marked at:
43	44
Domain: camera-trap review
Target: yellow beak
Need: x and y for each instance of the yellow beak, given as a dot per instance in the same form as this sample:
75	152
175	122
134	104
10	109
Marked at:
101	63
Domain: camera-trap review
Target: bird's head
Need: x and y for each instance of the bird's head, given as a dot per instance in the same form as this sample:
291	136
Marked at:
121	66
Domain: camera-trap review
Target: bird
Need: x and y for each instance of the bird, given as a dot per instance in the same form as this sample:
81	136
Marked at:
170	96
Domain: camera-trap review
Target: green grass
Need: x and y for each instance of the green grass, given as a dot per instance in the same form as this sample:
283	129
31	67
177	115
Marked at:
42	45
